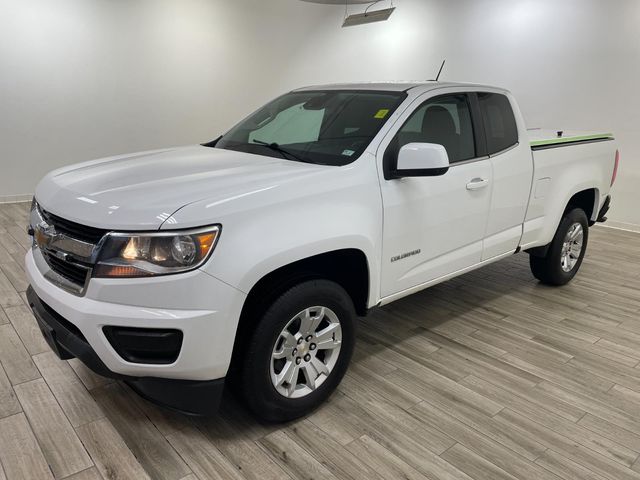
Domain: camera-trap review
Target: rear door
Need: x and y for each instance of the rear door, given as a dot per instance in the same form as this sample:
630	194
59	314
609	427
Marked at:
434	226
512	165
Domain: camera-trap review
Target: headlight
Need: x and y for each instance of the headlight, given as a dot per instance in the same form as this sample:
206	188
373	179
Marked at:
128	255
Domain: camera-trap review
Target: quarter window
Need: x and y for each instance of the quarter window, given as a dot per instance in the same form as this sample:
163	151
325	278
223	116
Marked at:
499	122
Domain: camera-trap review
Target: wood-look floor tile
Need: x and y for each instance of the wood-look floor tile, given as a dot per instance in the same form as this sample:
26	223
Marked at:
166	421
241	451
611	431
75	400
59	442
27	329
621	349
530	400
385	463
9	404
340	462
609	370
112	457
151	449
5	256
591	439
485	361
417	445
565	468
495	453
342	418
601	405
20	454
202	456
400	397
88	474
474	465
395	424
9	297
298	462
579	454
89	378
14	357
10	244
15	274
19	232
442	391
563	374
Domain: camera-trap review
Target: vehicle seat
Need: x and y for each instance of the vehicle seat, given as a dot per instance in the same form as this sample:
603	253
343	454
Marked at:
439	127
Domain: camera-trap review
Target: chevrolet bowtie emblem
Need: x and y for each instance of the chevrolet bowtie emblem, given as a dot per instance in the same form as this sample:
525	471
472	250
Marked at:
44	234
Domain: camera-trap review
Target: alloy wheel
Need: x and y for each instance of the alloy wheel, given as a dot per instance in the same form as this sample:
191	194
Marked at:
306	352
572	247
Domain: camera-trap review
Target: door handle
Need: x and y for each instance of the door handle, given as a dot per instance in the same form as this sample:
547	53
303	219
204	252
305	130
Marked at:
477	184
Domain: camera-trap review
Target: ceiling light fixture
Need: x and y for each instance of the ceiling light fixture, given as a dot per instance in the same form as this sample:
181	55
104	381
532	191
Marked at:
367	16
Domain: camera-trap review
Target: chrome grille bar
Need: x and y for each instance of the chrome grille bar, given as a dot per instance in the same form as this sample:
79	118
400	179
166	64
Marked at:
63	259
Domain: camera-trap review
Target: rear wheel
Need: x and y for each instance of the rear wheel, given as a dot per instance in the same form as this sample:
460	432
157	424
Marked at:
299	351
566	251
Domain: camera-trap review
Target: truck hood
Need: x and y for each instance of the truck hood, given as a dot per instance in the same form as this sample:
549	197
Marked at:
142	191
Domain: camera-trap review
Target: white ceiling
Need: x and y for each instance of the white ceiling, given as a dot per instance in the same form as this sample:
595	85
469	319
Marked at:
338	2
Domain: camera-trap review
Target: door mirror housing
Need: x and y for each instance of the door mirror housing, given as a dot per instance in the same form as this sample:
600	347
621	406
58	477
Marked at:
422	160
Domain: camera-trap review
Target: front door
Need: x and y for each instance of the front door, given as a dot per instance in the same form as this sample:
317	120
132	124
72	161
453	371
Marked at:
434	226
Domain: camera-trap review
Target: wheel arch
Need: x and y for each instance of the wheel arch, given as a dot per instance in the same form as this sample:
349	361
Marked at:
588	200
349	268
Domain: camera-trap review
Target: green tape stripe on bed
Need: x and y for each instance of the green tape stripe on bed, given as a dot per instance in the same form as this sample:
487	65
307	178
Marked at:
581	138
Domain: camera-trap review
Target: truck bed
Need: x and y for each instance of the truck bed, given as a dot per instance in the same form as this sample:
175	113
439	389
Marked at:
541	139
561	172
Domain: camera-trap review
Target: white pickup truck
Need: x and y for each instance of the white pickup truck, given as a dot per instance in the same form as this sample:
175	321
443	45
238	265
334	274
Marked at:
247	260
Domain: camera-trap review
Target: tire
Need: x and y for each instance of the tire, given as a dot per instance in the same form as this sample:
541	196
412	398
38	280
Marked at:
260	372
555	268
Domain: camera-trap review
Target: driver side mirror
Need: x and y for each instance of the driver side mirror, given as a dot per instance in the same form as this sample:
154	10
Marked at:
422	160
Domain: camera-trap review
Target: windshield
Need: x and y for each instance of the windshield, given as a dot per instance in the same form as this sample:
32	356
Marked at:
321	127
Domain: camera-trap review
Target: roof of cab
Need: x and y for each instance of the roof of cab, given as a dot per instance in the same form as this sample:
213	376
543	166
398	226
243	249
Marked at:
392	86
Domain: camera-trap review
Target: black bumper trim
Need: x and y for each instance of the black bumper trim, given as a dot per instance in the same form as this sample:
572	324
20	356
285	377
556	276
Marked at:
604	210
191	397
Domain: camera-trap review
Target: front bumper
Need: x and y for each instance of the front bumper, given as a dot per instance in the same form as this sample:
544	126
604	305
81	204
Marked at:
187	396
203	308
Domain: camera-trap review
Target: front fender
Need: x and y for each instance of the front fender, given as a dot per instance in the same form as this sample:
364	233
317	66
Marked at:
338	209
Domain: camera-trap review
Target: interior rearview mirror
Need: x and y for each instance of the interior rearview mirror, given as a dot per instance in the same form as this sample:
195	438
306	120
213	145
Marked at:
422	160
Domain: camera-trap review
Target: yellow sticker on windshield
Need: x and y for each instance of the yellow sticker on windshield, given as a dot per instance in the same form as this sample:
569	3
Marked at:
382	113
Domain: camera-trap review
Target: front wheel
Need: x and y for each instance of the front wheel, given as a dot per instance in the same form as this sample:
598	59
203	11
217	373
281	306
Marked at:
299	351
566	251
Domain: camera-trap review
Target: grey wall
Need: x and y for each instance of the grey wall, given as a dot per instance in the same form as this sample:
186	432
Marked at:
81	79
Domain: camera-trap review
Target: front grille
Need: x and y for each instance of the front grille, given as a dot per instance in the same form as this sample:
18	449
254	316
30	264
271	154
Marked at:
72	272
72	229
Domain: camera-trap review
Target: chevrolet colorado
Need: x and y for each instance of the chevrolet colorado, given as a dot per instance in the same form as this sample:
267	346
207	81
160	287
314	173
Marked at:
247	259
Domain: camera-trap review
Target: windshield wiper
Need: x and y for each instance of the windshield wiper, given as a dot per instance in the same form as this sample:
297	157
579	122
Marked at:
277	148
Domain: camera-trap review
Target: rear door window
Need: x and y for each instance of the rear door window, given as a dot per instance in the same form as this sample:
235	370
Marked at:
499	122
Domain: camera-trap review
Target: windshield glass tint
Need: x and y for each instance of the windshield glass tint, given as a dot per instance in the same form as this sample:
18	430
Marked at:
322	127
